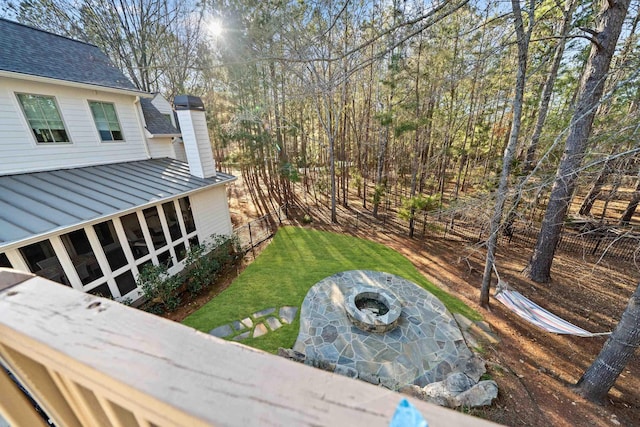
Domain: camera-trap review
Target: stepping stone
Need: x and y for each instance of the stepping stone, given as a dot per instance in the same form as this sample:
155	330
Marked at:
463	322
260	330
480	334
273	323
237	325
263	313
484	326
221	331
242	336
287	314
247	322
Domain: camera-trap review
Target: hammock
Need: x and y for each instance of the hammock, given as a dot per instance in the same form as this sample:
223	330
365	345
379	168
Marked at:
533	313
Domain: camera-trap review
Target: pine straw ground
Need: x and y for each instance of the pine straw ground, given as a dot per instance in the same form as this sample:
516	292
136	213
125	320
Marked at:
534	369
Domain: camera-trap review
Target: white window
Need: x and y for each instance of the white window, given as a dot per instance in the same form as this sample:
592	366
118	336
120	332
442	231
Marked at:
44	118
104	114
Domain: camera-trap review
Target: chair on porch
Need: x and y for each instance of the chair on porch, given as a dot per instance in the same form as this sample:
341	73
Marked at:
138	245
51	262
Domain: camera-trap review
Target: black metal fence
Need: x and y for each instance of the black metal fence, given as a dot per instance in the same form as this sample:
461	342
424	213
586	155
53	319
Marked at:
259	230
602	242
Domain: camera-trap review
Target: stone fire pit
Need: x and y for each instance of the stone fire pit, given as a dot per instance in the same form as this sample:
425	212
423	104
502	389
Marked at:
372	309
383	329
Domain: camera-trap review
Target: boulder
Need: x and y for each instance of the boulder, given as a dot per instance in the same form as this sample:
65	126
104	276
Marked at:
413	391
481	394
458	389
458	382
474	367
437	393
291	354
346	371
369	377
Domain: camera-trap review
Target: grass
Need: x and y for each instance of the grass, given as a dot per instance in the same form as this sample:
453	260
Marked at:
296	259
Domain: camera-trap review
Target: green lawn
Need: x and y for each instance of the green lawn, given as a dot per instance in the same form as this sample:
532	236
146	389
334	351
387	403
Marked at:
296	260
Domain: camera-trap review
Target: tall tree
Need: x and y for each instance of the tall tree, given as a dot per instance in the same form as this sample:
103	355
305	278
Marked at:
625	219
603	44
616	352
523	38
545	99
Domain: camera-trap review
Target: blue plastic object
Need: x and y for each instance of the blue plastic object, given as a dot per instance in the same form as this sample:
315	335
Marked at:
407	415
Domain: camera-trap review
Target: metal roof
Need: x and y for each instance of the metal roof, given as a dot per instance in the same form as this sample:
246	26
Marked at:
40	203
157	123
35	52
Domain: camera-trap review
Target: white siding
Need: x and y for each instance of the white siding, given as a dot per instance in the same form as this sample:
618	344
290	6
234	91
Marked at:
178	149
161	147
164	107
195	135
20	153
211	212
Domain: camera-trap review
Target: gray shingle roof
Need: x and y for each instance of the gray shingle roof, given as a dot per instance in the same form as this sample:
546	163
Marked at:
157	123
35	52
39	203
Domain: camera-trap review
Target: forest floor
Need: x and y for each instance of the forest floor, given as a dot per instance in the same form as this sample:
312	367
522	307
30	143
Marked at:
534	369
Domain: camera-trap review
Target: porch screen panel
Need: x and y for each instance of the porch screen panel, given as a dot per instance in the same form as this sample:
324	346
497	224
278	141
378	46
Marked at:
125	282
82	256
110	244
101	291
172	220
165	259
181	251
135	238
42	260
4	261
187	215
155	227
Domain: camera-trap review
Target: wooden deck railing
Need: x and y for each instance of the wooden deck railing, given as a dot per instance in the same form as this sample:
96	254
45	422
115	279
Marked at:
89	361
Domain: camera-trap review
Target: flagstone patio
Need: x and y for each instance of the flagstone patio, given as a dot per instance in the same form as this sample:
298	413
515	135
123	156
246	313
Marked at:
420	346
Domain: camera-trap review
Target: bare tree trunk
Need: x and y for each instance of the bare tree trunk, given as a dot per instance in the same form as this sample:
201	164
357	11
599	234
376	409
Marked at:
384	135
543	107
616	352
425	155
332	174
617	180
625	219
590	199
416	165
590	92
509	153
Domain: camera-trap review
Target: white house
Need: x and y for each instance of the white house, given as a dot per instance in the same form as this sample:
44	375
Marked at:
96	180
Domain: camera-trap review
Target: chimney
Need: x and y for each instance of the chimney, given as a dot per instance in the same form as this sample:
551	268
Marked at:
195	135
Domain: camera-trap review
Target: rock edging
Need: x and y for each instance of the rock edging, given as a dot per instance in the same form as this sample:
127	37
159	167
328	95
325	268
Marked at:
457	390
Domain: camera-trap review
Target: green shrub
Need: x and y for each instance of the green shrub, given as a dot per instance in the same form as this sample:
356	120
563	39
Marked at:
414	205
203	264
378	193
159	288
196	269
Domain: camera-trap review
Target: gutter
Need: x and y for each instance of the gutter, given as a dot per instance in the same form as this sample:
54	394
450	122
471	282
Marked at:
80	85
